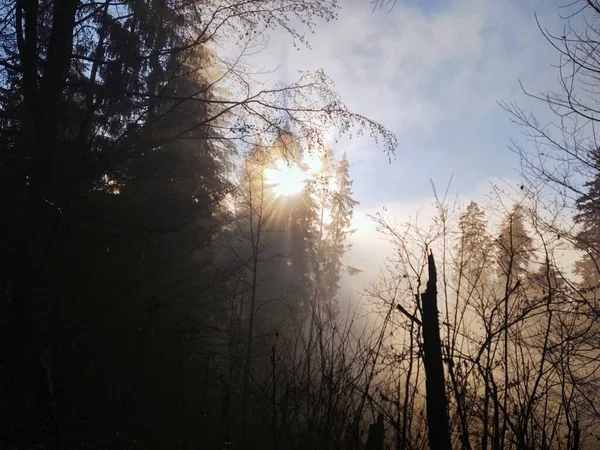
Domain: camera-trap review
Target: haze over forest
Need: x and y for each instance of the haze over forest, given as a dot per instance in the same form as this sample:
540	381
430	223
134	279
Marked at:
299	224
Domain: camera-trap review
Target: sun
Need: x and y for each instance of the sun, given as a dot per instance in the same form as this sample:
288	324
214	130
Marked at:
287	179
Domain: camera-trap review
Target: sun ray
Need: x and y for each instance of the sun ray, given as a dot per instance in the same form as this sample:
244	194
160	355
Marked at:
286	178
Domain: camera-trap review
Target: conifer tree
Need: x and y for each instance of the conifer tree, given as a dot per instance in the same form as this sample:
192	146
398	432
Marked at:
338	229
588	219
322	186
303	238
514	245
113	168
474	245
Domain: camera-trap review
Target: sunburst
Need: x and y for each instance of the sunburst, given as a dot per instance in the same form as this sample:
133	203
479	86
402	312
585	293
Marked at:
286	178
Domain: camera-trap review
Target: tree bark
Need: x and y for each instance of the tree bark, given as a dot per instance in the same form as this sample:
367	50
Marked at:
43	208
376	435
437	404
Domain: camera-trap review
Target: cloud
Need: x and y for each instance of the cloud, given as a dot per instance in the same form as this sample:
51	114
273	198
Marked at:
413	68
434	77
433	73
423	68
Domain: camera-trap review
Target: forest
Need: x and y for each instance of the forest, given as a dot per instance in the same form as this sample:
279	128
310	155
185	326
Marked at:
174	240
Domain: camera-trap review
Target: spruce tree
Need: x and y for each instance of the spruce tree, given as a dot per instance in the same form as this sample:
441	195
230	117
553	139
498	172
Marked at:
474	245
322	185
514	245
588	220
338	229
296	218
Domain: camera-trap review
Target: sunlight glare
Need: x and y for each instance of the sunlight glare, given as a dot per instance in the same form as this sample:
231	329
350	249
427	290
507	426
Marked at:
313	162
287	178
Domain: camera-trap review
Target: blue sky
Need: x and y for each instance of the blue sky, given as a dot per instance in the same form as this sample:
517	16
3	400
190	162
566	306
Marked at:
433	73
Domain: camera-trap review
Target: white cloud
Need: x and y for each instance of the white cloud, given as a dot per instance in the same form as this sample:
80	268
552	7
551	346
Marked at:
408	69
434	77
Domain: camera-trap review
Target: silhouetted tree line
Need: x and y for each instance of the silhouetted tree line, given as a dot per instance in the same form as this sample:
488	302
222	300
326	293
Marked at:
139	307
159	290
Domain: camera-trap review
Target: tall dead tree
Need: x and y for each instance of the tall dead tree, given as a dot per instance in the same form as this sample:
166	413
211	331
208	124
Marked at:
376	435
437	404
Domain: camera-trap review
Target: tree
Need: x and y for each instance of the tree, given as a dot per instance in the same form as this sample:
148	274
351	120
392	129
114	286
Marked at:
114	152
509	379
514	245
294	226
559	171
437	405
474	246
154	283
257	208
588	238
338	229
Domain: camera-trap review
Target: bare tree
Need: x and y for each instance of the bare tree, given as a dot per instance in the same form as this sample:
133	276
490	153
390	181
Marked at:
505	349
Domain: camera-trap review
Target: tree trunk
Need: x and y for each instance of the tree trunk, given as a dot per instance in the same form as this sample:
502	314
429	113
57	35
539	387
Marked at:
576	436
376	435
48	184
437	405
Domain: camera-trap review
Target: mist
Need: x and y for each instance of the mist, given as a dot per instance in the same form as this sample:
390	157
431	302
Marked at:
307	224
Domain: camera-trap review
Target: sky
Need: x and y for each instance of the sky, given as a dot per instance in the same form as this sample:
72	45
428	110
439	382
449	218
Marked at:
434	76
434	73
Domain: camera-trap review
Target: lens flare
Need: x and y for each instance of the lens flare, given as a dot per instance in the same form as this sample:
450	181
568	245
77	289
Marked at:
287	179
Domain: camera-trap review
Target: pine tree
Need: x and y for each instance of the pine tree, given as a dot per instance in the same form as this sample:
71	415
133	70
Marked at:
588	219
288	229
296	217
321	184
303	238
113	170
474	246
514	249
277	235
338	229
135	212
514	245
161	208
